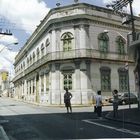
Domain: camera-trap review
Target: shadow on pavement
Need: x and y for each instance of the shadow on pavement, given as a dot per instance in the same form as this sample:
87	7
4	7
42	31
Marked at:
48	126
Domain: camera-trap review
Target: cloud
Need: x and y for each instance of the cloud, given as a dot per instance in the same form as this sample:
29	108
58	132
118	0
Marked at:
8	39
135	6
25	14
20	14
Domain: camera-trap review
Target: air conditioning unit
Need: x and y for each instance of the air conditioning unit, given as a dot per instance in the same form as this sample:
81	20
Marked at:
126	20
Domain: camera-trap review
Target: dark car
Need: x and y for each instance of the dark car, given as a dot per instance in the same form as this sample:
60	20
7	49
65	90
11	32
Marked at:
124	98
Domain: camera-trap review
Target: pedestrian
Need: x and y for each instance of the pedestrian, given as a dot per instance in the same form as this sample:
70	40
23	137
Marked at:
98	99
67	100
115	103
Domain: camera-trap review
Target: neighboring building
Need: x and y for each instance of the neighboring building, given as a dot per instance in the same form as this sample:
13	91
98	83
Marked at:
134	51
3	81
70	49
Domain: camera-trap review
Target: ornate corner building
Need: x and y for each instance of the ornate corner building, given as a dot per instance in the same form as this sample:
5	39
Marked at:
70	49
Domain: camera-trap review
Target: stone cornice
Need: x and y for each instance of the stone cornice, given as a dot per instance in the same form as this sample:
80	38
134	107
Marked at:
71	14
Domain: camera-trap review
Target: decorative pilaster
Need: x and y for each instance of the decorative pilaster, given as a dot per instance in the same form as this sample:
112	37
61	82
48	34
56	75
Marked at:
77	36
84	36
57	77
77	73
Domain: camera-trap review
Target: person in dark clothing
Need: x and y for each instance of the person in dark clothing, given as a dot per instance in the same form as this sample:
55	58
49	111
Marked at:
67	100
115	103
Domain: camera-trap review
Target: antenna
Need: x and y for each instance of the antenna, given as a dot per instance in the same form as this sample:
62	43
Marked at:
58	4
76	1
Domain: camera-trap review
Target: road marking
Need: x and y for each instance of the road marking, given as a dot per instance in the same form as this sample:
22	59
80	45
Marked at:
4	121
113	128
3	134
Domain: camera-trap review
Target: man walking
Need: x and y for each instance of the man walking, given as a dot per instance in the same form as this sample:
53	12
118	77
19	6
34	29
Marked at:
99	104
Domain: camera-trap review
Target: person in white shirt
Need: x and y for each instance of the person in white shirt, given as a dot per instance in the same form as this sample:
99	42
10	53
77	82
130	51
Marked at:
99	103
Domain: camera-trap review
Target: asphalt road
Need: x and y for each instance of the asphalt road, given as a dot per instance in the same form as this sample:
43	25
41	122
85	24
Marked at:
23	121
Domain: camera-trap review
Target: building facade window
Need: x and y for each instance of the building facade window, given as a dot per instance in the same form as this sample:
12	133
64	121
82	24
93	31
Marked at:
105	79
42	83
47	83
33	57
42	50
120	44
47	42
30	59
123	80
67	41
37	53
103	41
67	80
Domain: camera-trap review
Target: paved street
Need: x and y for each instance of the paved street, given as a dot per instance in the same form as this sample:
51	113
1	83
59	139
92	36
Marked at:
23	121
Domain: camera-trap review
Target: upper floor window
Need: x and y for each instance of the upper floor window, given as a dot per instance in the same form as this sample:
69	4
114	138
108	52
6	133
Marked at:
37	52
33	57
103	40
30	59
47	42
120	42
42	49
67	41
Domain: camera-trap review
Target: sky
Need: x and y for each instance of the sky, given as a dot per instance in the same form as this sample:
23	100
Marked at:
21	17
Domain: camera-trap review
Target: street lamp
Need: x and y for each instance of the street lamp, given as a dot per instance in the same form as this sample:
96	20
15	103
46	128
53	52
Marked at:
106	31
126	67
6	46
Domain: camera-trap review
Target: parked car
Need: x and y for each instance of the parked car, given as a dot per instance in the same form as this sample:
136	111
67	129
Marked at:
124	98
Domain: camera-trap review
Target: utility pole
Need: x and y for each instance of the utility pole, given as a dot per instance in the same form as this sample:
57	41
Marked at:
118	6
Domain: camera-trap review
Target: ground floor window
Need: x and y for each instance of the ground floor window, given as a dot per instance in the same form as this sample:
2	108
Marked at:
105	79
47	82
42	83
123	81
67	80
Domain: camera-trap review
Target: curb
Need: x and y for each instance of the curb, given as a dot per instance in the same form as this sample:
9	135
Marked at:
120	120
3	135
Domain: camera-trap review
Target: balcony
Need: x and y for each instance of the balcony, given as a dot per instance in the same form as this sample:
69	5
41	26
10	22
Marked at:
73	54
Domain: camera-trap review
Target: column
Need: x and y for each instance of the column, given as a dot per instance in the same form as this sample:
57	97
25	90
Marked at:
53	41
25	89
84	37
78	95
77	37
39	89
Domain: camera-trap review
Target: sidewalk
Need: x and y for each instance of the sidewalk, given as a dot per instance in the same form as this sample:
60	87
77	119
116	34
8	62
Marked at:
131	115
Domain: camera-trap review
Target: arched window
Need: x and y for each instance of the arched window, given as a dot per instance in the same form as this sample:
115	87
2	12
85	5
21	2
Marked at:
33	57
37	52
30	59
103	40
120	44
47	42
42	49
67	41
